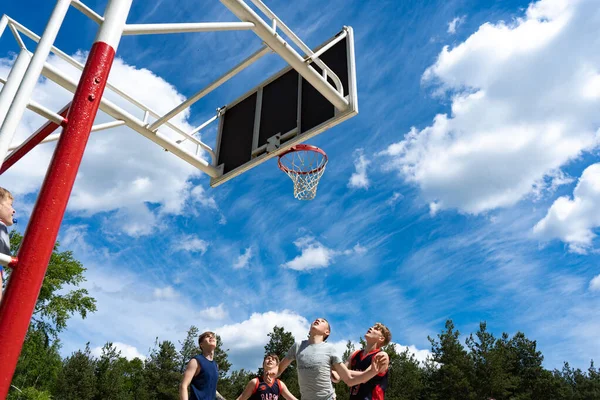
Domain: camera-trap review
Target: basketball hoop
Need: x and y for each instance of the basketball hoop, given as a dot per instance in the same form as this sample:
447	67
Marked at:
304	164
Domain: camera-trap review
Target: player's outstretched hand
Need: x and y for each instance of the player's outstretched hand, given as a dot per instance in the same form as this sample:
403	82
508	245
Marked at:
381	362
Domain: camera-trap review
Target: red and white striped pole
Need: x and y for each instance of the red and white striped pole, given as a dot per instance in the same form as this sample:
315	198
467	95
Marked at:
26	280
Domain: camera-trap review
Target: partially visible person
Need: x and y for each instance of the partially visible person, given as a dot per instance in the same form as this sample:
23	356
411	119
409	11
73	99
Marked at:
6	219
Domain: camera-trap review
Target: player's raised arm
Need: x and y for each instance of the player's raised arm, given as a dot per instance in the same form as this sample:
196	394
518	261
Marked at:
380	364
283	365
248	390
285	392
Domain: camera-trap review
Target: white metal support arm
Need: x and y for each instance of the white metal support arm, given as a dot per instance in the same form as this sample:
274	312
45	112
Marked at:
275	42
148	29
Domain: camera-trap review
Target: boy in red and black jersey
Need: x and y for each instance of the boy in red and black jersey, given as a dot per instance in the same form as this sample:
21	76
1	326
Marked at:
267	387
374	389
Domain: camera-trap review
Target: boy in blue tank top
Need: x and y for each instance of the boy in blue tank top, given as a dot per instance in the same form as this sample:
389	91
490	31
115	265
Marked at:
267	387
201	373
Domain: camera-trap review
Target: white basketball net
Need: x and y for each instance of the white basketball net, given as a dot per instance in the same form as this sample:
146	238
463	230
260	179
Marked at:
305	168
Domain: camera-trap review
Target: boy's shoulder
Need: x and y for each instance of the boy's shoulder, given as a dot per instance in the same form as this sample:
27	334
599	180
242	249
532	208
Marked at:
4	239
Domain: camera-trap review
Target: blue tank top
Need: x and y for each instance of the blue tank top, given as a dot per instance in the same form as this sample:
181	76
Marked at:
204	385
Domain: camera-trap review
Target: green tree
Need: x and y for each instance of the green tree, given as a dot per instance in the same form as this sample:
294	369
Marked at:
405	376
525	363
55	305
39	364
491	376
111	382
451	381
136	383
221	358
233	385
189	347
162	372
31	393
77	380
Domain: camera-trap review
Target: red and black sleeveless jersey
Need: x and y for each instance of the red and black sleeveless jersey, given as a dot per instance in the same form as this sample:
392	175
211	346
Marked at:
264	391
374	389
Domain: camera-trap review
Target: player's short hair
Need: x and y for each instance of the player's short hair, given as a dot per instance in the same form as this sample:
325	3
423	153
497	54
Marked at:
203	336
328	326
385	331
273	356
5	194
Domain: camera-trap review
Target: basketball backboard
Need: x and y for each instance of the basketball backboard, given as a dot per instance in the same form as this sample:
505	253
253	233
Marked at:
283	111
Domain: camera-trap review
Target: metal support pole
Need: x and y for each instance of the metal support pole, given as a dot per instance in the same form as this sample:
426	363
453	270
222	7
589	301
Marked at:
197	96
152	29
139	126
3	24
38	137
21	99
26	281
291	56
7	95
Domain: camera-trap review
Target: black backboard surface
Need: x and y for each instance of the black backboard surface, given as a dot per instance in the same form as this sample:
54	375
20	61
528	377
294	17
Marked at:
283	111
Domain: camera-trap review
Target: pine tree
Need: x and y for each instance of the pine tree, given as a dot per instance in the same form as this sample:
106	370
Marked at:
161	372
451	381
77	380
111	383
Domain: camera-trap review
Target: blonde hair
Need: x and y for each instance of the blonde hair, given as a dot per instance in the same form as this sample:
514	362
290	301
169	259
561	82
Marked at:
387	335
5	194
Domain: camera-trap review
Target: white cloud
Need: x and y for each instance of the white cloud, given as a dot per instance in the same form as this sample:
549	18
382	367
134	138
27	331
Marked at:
214	313
518	110
127	351
421	355
434	207
165	293
359	179
246	339
452	25
243	259
315	255
395	199
595	284
253	331
573	220
121	170
74	237
200	195
358	249
134	221
191	244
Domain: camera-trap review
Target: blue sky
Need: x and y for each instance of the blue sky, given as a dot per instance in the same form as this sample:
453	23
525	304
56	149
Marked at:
466	187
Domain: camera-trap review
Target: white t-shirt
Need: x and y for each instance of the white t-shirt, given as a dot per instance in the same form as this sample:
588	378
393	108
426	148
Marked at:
314	369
